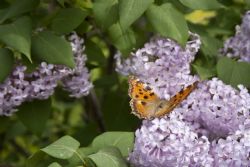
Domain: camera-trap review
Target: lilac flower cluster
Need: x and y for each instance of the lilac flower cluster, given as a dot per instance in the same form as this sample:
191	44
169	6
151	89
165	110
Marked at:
40	84
239	45
219	108
159	55
210	128
77	82
169	142
13	91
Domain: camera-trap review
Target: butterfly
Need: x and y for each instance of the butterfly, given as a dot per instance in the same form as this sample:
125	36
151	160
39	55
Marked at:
147	105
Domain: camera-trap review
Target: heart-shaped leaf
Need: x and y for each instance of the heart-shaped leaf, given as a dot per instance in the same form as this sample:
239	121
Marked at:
131	10
122	140
233	72
51	48
63	148
18	35
68	19
168	21
110	157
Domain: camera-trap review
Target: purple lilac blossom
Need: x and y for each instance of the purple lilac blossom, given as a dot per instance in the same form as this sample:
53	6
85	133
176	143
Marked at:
162	54
77	82
13	91
44	80
239	45
232	151
40	84
209	128
219	108
169	142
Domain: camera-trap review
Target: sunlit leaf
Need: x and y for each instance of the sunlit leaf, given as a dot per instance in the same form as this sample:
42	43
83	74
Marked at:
122	140
63	148
54	164
109	156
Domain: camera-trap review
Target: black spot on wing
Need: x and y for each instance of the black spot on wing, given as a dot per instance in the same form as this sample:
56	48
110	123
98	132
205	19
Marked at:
151	94
181	91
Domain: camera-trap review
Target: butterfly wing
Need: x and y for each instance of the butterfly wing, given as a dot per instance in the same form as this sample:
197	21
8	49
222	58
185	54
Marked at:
165	107
146	104
143	99
140	91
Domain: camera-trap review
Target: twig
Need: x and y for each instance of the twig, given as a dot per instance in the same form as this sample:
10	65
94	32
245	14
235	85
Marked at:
94	106
20	149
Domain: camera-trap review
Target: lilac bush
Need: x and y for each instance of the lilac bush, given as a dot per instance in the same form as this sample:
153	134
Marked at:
209	128
239	45
41	83
162	63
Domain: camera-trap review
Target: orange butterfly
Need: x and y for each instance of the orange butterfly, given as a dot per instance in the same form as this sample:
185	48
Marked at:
146	104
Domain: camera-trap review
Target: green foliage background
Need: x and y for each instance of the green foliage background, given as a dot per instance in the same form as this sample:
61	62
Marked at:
106	26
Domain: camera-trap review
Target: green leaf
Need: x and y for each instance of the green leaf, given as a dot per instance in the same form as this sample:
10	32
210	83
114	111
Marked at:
16	129
36	159
122	140
17	35
68	19
106	81
205	73
5	123
94	53
53	49
106	12
210	45
35	114
6	63
88	162
233	72
123	40
61	2
169	22
80	157
63	148
202	4
54	164
110	157
131	10
87	150
18	7
247	2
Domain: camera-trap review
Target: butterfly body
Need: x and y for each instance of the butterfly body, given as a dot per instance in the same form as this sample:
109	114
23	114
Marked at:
147	105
